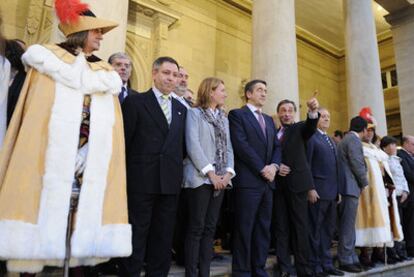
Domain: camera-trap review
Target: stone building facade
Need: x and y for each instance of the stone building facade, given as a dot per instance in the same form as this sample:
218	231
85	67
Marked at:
342	48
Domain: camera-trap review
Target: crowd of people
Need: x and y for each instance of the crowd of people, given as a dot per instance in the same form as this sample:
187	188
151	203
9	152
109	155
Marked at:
91	170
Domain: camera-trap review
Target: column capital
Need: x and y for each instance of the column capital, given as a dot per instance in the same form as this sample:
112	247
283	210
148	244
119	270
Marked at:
401	16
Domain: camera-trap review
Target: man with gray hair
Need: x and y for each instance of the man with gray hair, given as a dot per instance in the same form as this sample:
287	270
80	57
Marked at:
406	153
122	64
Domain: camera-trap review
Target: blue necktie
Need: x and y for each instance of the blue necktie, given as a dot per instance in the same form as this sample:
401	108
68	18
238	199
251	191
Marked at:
328	141
121	95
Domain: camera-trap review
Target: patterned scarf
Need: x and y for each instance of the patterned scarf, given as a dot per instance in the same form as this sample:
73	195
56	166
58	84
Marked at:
220	137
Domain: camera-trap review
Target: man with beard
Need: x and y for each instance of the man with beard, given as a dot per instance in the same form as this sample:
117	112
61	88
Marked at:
181	88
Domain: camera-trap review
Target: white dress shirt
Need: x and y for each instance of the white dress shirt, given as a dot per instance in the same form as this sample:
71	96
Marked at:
254	110
158	95
181	99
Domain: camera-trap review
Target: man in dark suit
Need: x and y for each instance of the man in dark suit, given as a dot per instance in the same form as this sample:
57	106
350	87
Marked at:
352	180
122	64
257	158
295	185
182	210
322	158
406	153
154	125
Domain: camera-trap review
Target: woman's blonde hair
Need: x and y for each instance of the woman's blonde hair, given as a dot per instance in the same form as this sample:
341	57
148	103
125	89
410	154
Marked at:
206	87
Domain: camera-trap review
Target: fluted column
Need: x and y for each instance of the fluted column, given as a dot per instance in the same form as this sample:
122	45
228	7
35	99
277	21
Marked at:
115	10
274	50
362	62
402	22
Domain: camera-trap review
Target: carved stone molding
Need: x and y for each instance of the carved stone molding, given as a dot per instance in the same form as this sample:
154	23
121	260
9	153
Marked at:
39	21
166	2
151	8
148	16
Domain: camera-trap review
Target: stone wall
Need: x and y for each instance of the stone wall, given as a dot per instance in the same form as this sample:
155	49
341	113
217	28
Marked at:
209	38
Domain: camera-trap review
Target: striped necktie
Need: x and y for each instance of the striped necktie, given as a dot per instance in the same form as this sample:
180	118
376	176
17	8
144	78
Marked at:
328	141
165	107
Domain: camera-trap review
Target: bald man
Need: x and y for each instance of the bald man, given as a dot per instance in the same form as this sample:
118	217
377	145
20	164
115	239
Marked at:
406	153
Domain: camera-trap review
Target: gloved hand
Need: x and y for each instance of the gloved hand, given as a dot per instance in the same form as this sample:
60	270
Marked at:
81	159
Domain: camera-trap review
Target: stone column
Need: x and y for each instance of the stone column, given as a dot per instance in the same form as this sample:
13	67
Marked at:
160	31
274	50
363	69
114	41
402	23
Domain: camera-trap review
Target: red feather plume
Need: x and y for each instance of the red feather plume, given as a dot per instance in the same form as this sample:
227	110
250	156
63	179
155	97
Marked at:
366	114
68	11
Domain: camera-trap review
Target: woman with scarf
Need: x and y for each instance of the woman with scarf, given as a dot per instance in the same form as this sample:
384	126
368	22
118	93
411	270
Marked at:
207	172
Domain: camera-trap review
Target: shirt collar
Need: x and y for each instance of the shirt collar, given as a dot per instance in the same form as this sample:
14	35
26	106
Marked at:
356	134
158	93
322	132
253	108
214	112
174	95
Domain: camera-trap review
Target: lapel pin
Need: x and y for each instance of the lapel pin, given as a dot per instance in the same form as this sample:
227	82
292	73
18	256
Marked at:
179	113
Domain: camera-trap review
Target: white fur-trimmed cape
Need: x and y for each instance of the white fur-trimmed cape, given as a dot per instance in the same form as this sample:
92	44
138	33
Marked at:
27	246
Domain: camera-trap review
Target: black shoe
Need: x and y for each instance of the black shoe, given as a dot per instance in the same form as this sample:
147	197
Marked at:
321	274
404	258
366	262
284	274
350	268
334	272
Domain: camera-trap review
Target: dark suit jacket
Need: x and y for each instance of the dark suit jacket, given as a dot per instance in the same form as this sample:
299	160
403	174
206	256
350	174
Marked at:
353	175
407	163
324	166
129	92
154	150
294	155
252	151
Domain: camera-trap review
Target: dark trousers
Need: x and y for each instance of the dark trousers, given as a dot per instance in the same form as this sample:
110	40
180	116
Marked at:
152	217
399	247
180	227
253	212
291	227
322	217
408	223
203	213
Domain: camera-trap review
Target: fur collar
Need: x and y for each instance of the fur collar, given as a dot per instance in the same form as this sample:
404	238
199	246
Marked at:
73	71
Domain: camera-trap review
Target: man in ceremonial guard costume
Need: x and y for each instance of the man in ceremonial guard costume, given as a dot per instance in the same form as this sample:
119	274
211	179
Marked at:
378	220
62	165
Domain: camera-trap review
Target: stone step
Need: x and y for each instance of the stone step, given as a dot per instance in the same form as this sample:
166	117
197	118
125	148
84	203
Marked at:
222	268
